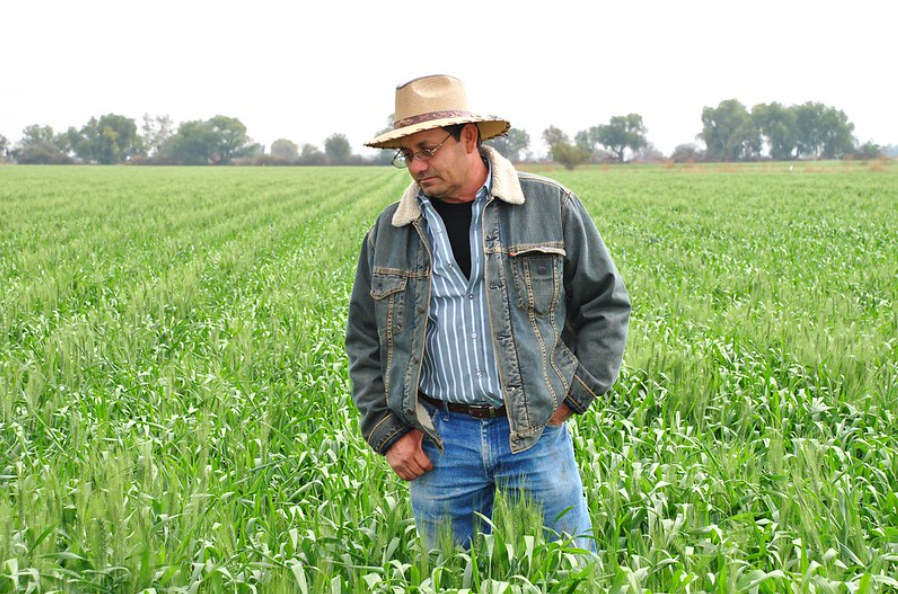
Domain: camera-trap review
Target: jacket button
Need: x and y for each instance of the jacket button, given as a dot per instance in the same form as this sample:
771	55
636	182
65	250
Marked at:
541	270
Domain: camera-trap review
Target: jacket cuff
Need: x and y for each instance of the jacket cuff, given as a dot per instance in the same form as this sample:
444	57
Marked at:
582	391
386	433
573	406
393	439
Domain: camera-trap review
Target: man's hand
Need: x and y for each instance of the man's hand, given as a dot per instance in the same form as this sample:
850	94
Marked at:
561	415
407	458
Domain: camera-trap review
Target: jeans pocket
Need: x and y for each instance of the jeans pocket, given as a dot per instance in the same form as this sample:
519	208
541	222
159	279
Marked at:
437	415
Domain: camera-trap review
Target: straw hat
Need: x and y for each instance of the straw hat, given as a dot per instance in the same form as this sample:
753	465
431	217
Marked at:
432	102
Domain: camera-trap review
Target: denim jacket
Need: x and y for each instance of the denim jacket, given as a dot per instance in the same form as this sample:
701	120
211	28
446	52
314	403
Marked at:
558	309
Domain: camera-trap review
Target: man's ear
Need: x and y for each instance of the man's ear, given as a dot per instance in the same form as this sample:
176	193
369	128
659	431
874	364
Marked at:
470	133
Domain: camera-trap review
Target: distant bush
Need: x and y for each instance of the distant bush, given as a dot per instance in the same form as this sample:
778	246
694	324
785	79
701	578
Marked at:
569	155
264	161
868	151
687	153
156	159
42	153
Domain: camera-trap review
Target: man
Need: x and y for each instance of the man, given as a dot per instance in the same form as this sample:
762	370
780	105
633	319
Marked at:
485	311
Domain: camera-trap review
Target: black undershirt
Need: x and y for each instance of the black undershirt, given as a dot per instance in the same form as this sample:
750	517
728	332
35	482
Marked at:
457	218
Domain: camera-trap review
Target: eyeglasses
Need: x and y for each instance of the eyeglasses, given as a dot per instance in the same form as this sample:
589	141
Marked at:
403	158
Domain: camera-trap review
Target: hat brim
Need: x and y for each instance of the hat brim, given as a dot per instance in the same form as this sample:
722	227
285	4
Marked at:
490	127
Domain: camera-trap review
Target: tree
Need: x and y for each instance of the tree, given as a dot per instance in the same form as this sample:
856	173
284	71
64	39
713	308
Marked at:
511	144
561	149
218	140
36	133
385	156
312	155
391	119
808	123
648	153
193	144
40	145
230	139
836	134
621	133
337	149
569	155
728	132
587	139
65	141
111	139
381	157
823	131
553	136
777	125
686	153
285	149
869	150
156	131
4	146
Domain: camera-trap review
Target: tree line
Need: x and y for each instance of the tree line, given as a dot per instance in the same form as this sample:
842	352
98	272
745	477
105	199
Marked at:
220	140
730	132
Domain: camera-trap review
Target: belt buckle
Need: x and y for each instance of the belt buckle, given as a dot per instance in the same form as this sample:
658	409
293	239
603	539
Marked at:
482	411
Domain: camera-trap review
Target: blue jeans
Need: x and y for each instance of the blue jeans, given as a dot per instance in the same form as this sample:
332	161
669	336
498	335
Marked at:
477	459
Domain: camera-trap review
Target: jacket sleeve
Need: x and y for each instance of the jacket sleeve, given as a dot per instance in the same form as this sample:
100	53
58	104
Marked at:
380	426
598	307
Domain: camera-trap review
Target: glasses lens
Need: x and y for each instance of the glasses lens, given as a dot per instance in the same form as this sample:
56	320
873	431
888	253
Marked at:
399	161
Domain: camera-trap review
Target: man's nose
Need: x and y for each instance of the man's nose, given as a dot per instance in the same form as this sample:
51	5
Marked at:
416	166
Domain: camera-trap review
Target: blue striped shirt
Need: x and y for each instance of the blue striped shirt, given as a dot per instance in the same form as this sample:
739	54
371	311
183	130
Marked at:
459	361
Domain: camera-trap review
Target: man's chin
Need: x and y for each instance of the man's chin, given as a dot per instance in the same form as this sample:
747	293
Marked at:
432	190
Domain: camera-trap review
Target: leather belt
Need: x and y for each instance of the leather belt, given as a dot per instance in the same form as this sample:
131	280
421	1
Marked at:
477	411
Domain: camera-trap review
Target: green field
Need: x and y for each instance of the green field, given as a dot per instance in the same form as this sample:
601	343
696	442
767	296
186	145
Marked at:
175	412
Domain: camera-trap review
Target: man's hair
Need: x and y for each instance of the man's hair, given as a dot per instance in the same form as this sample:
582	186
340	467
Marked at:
456	129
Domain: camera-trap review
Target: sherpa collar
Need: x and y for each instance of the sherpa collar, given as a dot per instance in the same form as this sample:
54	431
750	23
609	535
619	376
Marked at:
506	187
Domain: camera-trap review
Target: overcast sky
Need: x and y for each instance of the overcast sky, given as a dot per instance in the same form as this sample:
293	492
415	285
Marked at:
305	70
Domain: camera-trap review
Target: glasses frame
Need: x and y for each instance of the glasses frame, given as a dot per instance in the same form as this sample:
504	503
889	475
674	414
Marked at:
401	160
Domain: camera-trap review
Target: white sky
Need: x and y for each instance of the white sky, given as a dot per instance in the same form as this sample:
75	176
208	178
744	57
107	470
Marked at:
305	70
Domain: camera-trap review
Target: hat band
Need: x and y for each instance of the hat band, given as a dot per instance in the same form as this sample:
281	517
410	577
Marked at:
427	117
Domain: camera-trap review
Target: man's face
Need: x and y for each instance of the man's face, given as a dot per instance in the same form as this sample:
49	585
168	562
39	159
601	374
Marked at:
447	172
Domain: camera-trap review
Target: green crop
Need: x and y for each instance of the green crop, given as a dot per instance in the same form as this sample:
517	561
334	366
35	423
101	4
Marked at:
175	412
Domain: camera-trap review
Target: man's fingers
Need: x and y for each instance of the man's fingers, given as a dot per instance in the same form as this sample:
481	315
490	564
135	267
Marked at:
424	462
561	415
414	468
407	458
420	459
417	463
410	472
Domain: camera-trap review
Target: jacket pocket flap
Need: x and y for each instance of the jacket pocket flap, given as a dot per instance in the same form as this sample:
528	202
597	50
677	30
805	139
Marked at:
384	285
534	250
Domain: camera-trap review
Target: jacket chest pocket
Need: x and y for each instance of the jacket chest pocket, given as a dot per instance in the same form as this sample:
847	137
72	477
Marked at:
388	292
537	273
